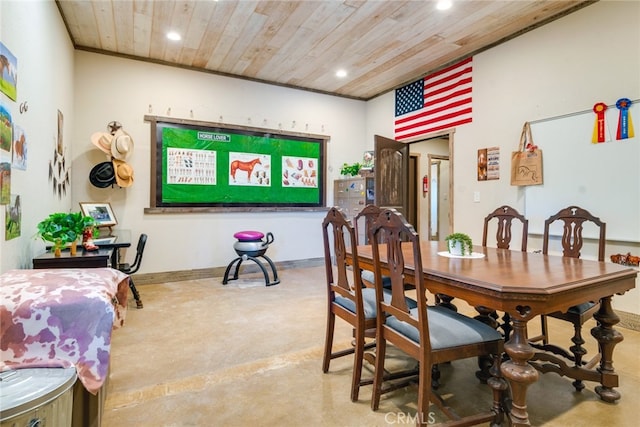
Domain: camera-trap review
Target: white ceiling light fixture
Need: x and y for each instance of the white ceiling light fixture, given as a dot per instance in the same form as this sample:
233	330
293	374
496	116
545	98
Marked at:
444	4
172	35
341	74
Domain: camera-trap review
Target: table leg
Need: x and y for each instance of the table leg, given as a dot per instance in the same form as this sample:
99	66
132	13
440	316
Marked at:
115	258
518	372
607	339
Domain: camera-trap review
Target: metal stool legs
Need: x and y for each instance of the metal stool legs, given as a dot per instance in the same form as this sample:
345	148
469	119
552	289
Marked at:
242	258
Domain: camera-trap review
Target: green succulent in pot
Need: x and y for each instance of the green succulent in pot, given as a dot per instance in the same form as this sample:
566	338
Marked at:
62	228
466	244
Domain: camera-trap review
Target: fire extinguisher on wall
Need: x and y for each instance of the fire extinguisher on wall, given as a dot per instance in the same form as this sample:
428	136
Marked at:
425	186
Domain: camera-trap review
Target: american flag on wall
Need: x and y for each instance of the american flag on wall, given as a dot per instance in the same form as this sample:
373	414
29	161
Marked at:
440	101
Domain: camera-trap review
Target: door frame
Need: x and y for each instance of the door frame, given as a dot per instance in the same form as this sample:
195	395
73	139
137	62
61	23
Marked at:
449	134
431	159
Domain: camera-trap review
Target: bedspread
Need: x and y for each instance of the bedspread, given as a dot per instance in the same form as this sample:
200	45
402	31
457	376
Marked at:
61	317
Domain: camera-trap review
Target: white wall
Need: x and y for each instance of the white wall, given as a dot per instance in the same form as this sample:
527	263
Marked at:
110	88
34	32
563	67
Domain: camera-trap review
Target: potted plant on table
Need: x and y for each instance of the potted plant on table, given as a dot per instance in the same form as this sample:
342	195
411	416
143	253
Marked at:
63	228
459	244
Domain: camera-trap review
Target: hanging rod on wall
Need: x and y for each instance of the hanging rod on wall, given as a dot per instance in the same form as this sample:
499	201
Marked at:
576	113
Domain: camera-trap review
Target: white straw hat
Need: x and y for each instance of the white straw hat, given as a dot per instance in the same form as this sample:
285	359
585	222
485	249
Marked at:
121	145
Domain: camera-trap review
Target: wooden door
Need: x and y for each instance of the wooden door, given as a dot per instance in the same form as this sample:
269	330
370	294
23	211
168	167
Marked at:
392	174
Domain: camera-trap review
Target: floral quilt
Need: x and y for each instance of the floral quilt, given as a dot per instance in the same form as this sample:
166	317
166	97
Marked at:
61	317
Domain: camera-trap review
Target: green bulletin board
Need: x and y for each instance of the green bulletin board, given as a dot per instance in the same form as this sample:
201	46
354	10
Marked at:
207	165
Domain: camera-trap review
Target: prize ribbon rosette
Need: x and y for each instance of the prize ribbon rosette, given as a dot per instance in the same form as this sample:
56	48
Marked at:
625	125
598	127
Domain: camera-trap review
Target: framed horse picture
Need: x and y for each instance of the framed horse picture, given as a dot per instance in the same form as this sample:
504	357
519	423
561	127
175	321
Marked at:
208	165
101	212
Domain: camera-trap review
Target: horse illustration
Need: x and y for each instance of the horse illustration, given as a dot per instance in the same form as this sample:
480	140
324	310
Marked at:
19	149
244	166
5	65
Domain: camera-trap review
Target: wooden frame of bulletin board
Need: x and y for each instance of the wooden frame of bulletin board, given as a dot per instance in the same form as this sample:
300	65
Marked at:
199	165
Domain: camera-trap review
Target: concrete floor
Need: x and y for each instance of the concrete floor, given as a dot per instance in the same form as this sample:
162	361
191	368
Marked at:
204	354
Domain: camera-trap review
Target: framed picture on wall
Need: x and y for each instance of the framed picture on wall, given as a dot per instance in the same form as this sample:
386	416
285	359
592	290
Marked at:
101	212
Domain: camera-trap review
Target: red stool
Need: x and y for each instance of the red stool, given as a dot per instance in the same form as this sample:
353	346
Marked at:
250	246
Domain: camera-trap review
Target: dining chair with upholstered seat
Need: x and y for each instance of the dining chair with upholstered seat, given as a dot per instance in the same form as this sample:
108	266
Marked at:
502	219
130	268
362	223
348	298
429	334
573	219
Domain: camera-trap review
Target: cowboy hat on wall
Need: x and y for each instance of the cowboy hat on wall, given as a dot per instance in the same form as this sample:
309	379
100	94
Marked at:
121	145
118	146
123	173
102	175
102	140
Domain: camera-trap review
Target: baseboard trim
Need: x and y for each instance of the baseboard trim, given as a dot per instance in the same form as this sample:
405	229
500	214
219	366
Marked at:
205	273
629	320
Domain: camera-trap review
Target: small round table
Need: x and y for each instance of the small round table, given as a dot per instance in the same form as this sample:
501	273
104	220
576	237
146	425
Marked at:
250	246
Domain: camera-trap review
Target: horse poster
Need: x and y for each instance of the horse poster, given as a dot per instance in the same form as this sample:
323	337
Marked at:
200	164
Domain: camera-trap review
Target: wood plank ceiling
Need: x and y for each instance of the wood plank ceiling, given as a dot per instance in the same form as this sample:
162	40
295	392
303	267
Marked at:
381	44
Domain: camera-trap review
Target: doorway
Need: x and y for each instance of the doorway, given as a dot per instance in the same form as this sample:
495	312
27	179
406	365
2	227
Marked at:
438	197
433	186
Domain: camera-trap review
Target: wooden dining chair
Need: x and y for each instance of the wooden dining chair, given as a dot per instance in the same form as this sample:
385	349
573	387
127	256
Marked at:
348	298
430	334
503	219
573	219
362	223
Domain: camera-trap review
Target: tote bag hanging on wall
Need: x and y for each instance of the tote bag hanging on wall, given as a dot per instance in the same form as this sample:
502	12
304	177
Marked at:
526	163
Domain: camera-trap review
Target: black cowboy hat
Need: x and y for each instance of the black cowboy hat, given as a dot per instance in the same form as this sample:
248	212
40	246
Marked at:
102	175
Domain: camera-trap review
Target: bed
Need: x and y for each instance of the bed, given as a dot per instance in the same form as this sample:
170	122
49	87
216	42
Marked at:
62	317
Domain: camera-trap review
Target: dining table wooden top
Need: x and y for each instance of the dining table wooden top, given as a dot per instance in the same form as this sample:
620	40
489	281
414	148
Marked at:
503	279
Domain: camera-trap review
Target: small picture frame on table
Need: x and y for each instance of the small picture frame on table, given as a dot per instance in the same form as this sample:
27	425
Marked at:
102	213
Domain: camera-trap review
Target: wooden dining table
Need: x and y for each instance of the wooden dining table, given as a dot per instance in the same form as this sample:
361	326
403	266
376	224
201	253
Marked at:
526	285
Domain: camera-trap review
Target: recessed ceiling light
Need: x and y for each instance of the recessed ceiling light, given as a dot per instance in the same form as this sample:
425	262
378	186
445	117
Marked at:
444	4
341	73
172	35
